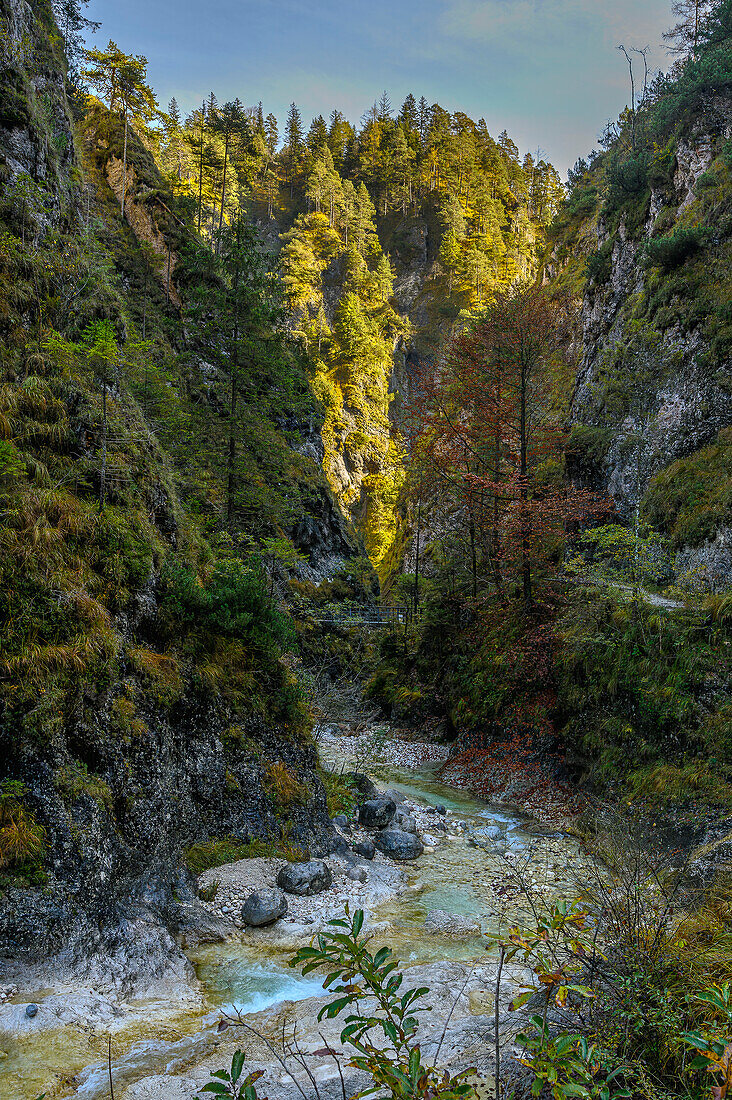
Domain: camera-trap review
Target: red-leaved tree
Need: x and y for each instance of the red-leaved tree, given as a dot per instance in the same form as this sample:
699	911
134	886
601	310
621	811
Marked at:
487	432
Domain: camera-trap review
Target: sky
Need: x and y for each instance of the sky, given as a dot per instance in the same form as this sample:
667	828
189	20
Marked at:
548	71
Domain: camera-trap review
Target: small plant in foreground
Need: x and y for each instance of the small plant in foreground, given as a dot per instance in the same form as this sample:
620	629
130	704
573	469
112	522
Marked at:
231	1083
570	1066
715	1052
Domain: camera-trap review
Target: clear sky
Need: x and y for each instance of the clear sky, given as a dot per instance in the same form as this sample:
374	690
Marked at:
548	71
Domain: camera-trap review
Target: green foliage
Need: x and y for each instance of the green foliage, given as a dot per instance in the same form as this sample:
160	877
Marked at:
615	552
74	780
341	796
22	839
692	498
673	250
384	1041
569	1066
218	851
633	683
231	1083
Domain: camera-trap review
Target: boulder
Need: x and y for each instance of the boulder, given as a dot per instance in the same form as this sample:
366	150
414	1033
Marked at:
377	813
365	848
342	822
395	796
440	922
264	907
406	822
357	874
397	844
488	837
362	783
305	878
438	809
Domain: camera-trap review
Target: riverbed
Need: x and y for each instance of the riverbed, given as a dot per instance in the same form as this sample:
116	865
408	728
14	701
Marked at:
163	1048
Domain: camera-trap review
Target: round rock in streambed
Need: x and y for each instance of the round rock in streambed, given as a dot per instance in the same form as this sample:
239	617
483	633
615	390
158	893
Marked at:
304	879
440	922
264	907
438	809
399	845
31	1011
377	813
365	848
357	874
405	822
486	836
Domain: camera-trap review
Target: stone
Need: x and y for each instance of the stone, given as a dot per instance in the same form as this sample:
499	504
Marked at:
365	848
440	922
438	809
395	796
406	822
377	813
342	822
31	1010
399	845
264	907
432	841
357	874
305	879
362	783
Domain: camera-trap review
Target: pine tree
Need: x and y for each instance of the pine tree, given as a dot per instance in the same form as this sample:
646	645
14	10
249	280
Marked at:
409	114
271	133
120	78
294	143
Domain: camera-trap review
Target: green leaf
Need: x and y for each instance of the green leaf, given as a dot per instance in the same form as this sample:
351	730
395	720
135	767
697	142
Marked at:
216	1087
237	1065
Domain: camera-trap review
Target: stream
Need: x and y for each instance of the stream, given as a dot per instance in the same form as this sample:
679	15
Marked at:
456	878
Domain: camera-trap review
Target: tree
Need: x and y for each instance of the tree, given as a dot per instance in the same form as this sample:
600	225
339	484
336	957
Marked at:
238	316
293	144
409	114
73	25
684	37
487	433
271	134
228	122
120	79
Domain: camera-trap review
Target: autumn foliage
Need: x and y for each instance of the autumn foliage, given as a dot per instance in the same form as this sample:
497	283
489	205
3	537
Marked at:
488	435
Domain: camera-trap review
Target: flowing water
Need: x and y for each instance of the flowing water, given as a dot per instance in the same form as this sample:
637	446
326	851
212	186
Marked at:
456	878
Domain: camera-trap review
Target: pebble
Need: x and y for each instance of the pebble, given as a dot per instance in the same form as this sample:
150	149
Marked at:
31	1011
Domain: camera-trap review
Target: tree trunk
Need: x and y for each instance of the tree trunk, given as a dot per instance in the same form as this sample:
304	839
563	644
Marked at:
124	170
524	492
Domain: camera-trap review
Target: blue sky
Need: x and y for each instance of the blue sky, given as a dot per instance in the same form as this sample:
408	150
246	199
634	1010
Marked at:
548	71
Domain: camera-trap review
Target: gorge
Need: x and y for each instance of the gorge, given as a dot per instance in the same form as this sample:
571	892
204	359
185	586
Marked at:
363	454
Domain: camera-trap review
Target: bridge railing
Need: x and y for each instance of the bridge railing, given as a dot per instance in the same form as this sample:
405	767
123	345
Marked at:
385	615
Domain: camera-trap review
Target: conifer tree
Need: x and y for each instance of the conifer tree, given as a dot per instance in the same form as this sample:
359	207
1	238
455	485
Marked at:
294	144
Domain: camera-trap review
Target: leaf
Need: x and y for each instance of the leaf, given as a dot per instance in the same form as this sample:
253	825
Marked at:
237	1065
520	1001
216	1087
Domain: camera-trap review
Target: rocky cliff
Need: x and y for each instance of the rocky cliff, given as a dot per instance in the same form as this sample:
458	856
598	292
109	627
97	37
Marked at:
146	705
652	405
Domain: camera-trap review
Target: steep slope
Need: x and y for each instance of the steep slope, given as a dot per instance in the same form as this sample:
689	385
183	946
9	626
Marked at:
651	219
145	704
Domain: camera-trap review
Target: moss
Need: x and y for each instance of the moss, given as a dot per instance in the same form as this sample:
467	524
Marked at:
74	780
692	498
218	851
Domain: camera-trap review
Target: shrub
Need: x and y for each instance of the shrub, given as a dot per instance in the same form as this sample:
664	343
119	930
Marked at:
669	252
